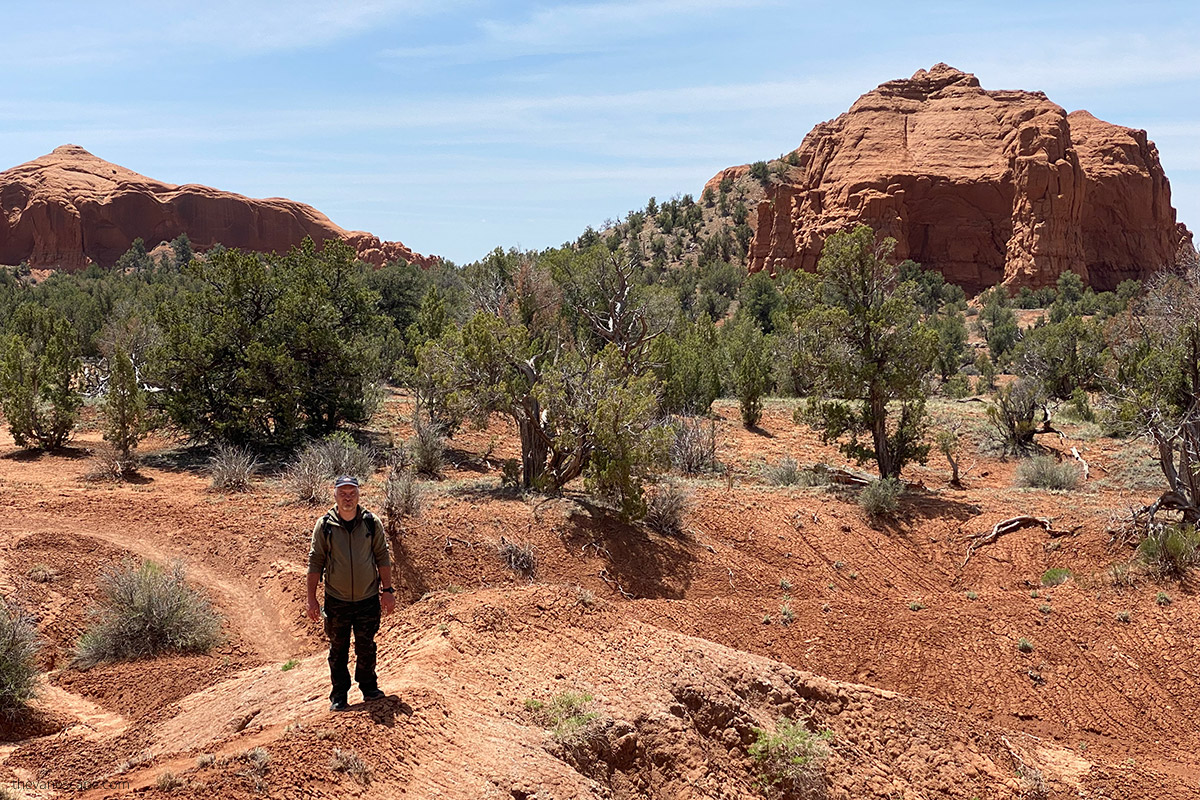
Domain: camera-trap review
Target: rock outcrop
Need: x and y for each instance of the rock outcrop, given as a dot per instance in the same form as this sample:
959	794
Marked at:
70	208
986	186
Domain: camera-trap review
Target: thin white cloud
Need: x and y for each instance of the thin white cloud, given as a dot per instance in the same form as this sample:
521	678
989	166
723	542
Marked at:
1098	62
577	116
562	29
146	32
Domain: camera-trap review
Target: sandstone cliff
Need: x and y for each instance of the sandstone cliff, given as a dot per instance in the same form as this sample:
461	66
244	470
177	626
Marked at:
69	207
985	186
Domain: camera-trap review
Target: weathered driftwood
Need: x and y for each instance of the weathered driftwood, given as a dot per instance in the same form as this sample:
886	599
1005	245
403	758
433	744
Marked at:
1086	471
1007	526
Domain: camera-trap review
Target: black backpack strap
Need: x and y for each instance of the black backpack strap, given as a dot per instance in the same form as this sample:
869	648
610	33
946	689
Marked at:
369	518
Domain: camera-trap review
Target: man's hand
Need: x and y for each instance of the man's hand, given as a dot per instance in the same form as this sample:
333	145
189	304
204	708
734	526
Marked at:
387	602
314	609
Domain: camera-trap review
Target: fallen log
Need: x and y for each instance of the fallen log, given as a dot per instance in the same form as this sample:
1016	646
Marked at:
842	476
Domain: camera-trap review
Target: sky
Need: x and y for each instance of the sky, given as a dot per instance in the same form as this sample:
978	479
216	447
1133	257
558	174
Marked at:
458	126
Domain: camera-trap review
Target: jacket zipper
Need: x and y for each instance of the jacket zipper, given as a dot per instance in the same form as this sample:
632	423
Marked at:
350	552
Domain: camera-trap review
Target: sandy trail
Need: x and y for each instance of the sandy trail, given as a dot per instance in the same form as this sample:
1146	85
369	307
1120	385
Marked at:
248	611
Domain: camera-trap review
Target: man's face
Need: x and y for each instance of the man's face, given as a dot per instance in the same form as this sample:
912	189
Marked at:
347	496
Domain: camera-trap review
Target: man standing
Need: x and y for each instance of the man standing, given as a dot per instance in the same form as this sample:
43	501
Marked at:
349	547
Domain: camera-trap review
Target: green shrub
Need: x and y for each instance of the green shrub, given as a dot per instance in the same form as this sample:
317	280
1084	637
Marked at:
125	406
881	498
1170	549
18	661
1080	407
38	363
563	715
1024	645
1055	575
262	350
791	761
1123	616
1043	472
667	506
146	610
957	386
751	370
1163	599
510	474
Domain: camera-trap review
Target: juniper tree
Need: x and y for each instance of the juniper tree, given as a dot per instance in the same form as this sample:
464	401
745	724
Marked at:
125	409
1154	383
871	381
582	396
39	362
265	349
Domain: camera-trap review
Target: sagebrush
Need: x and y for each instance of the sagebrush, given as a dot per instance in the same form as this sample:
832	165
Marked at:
311	474
786	472
1170	549
428	447
401	499
881	498
18	661
694	446
146	610
1043	472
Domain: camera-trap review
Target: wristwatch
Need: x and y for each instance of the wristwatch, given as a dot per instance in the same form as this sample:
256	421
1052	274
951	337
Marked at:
388	589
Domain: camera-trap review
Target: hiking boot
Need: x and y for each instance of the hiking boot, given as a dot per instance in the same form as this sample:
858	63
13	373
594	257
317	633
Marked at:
339	704
374	694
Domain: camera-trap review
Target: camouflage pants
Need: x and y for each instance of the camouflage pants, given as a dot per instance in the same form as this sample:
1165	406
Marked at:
342	618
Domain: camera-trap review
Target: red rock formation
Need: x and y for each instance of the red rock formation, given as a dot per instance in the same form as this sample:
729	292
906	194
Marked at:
68	208
985	186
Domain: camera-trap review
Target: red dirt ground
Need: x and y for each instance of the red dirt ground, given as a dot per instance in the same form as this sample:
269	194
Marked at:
681	642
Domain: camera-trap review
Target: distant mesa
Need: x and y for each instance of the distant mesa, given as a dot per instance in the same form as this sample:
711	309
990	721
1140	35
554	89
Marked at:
985	186
70	208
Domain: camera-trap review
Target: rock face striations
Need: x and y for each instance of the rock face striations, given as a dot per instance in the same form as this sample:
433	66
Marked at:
69	208
986	186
